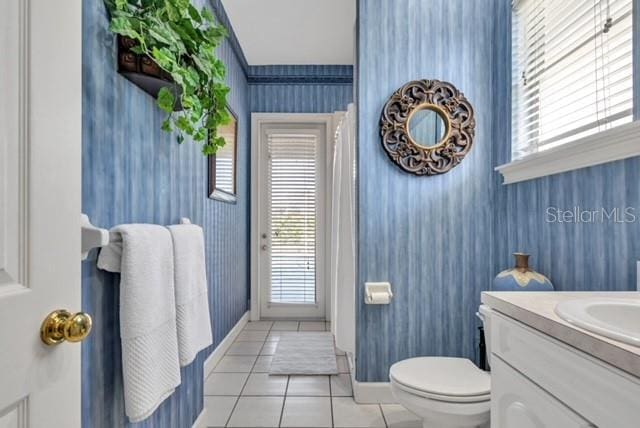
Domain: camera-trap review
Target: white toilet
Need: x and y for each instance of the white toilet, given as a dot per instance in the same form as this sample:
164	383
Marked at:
445	392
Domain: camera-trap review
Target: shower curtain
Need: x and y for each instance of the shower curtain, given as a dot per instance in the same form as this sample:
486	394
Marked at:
343	250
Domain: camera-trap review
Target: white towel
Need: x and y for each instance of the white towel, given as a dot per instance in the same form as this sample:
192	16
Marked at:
143	253
192	302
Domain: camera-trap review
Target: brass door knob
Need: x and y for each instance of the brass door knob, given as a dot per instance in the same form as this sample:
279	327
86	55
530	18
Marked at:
61	325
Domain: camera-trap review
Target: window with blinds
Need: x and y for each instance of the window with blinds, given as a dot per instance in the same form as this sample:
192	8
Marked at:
572	70
292	212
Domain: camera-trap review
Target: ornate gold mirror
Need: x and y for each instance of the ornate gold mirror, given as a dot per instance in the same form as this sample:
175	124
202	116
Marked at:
427	127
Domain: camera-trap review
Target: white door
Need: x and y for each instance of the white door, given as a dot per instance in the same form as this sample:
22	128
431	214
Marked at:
291	228
40	161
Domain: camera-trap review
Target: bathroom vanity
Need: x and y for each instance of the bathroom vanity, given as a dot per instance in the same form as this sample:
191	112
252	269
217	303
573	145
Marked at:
547	372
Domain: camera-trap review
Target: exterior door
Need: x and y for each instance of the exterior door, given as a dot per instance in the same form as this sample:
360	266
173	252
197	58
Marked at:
40	193
292	231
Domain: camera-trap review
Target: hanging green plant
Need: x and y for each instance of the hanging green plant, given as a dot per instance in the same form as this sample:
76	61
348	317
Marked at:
182	40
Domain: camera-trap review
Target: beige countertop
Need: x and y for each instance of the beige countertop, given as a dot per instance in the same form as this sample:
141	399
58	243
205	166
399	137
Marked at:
537	310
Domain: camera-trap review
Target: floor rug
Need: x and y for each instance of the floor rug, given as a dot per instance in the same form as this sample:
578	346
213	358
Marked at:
305	353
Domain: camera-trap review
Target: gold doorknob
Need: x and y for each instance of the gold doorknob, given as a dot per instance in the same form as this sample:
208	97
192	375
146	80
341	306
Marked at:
61	325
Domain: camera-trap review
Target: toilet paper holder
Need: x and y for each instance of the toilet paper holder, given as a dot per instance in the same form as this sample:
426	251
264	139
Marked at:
377	293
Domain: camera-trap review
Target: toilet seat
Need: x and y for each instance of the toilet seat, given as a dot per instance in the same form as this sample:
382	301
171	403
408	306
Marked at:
453	380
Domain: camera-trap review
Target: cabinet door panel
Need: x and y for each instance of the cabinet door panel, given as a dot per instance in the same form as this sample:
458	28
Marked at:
518	402
599	392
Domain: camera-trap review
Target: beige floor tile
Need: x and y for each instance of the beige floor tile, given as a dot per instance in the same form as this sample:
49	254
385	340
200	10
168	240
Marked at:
309	386
218	411
225	383
252	336
275	336
399	417
244	348
312	326
269	348
285	326
302	412
262	412
263	364
343	365
265	384
259	325
235	364
348	414
341	386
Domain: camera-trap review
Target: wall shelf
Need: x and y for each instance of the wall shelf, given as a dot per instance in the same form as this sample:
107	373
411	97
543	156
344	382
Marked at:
143	71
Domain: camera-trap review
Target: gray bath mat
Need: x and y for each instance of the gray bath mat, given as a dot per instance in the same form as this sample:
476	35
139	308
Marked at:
305	353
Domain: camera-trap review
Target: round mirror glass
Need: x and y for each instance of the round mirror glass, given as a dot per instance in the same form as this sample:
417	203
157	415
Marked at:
426	127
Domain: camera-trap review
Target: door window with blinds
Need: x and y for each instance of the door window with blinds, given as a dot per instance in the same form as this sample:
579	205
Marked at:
572	71
292	213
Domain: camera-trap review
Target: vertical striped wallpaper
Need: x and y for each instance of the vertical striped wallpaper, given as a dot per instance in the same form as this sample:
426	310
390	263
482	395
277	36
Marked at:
441	240
598	256
300	89
431	237
134	172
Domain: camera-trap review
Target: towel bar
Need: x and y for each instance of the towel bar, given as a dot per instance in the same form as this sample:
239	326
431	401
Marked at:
95	237
92	236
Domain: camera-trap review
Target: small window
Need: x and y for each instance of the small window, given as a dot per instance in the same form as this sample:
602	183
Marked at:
572	71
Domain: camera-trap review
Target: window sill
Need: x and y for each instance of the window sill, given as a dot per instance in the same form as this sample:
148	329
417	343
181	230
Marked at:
611	145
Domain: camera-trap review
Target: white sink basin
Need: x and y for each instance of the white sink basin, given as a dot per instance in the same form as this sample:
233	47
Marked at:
618	319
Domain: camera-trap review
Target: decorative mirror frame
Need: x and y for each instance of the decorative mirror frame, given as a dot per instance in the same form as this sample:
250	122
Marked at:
454	109
214	191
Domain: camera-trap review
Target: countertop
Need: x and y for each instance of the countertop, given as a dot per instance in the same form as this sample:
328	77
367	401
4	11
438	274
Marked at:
537	310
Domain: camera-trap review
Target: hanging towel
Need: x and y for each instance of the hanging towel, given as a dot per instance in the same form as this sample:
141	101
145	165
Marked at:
143	253
192	302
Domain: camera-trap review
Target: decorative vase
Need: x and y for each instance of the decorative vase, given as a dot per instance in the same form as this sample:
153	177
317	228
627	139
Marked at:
521	277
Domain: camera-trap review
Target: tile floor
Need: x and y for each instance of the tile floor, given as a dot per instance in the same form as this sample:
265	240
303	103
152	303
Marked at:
241	393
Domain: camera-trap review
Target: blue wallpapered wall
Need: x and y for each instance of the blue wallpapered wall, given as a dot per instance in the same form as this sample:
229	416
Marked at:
598	256
584	256
134	172
440	240
300	88
431	237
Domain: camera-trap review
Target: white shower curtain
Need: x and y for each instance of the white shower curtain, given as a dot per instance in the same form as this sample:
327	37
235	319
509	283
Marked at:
343	253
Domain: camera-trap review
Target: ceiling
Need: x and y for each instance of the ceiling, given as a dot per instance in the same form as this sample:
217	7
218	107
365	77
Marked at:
294	31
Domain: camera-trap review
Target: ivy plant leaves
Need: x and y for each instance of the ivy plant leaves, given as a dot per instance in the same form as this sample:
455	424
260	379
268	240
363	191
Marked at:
182	40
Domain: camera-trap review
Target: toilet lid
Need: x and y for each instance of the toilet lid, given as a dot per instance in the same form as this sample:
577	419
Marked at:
452	377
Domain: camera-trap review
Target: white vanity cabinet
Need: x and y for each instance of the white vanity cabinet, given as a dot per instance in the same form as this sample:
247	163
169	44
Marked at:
538	381
518	402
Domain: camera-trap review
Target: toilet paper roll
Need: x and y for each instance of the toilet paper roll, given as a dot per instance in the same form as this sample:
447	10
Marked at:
379	298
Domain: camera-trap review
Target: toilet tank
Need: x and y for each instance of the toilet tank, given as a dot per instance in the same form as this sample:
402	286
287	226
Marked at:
484	313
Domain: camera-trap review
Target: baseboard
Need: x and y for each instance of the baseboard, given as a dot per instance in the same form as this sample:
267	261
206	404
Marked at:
199	422
222	348
369	392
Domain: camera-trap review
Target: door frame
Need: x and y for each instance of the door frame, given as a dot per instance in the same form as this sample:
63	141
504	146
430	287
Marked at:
258	120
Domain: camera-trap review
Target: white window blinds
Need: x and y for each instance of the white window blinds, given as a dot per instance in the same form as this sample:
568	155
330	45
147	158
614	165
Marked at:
292	192
572	70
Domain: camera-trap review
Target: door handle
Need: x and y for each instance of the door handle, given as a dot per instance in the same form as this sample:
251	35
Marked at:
61	325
